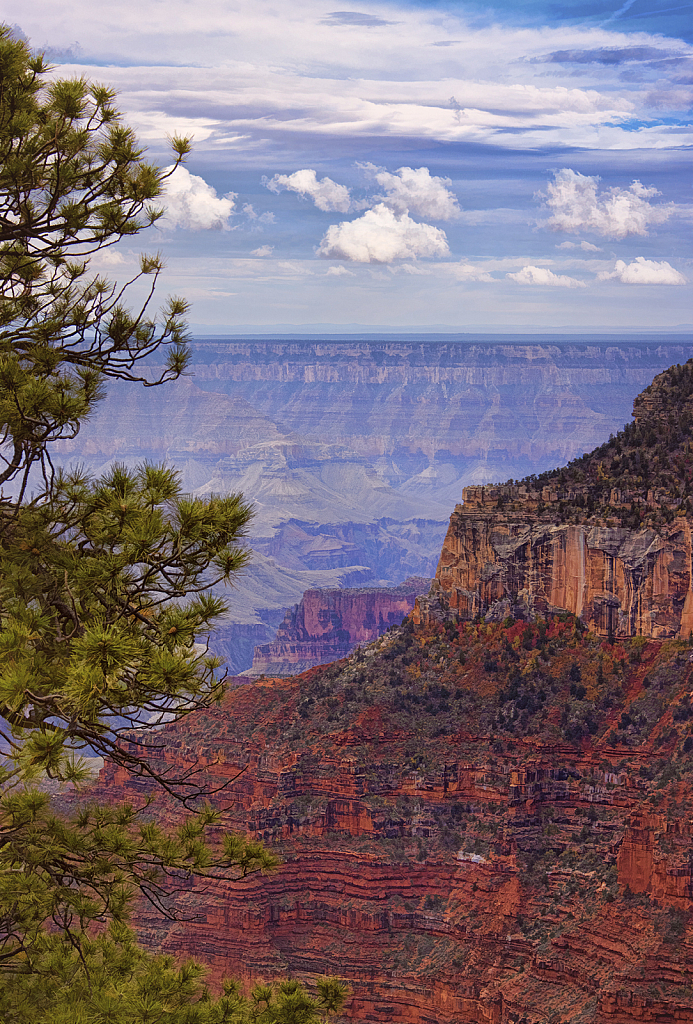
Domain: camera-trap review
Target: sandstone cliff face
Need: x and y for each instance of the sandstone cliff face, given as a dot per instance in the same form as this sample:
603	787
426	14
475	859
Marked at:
328	624
618	581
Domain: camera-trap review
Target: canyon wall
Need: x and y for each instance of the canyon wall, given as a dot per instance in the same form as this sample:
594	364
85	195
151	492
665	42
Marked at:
431	414
523	560
478	872
484	816
328	624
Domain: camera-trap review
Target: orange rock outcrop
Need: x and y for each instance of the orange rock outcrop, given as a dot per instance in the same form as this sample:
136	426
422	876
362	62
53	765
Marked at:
618	581
377	886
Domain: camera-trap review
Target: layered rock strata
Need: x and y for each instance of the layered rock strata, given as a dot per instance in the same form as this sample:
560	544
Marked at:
483	822
453	874
618	581
328	624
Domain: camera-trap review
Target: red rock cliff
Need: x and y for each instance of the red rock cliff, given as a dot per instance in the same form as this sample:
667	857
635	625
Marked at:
445	846
617	580
606	538
328	624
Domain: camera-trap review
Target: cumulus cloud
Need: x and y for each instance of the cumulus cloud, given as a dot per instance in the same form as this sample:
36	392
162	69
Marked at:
326	194
381	236
340	272
189	202
544	276
416	190
577	205
263	250
585	246
643	271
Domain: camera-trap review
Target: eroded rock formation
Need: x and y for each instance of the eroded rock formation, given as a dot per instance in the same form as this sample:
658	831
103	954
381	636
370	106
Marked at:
619	581
607	538
488	871
328	624
485	821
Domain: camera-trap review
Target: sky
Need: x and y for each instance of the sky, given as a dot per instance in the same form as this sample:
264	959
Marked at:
405	164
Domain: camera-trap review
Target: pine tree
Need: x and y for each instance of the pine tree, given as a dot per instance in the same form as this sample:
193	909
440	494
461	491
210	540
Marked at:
72	182
105	598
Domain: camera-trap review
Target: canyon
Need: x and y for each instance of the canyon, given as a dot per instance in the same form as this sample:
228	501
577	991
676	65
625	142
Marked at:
483	818
354	451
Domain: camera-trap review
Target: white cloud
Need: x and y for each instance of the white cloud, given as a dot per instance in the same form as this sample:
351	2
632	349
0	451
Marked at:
264	250
468	272
254	71
415	190
576	205
544	276
643	271
381	236
340	272
261	218
189	202
326	194
585	246
108	258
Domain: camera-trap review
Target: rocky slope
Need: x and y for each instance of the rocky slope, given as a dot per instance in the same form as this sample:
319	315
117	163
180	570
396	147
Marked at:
327	625
478	822
258	600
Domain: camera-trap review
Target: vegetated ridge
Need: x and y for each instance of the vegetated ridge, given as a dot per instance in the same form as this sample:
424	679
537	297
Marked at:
643	475
480	820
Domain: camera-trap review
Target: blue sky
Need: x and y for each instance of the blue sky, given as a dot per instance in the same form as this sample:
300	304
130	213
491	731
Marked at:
406	164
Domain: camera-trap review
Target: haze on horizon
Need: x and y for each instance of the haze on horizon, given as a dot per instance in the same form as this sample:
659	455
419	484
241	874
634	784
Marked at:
406	163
